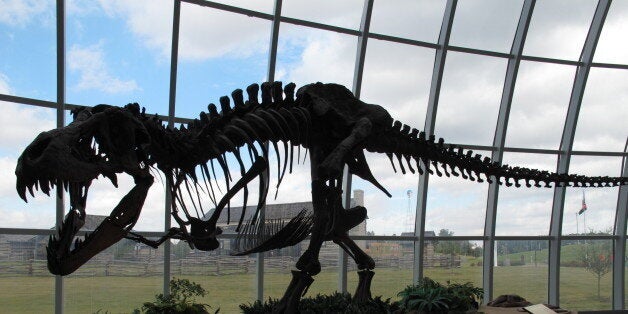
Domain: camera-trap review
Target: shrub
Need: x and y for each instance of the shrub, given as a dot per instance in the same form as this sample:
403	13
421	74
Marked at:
429	296
180	301
332	304
572	264
517	263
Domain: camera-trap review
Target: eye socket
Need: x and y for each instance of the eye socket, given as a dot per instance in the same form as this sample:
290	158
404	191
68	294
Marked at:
37	148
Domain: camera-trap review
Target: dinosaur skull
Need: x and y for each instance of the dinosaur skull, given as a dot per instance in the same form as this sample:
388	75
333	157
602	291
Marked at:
103	140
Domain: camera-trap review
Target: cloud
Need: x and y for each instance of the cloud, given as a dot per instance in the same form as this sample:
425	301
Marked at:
4	84
204	32
611	48
413	19
19	13
558	29
485	24
7	187
325	57
20	123
94	74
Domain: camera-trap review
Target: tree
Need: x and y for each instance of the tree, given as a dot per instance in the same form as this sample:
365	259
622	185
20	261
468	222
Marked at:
446	247
181	249
453	247
597	257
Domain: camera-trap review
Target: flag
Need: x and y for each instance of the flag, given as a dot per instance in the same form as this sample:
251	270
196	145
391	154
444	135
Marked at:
584	205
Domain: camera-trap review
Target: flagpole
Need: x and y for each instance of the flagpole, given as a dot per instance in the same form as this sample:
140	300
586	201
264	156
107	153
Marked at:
577	227
584	218
584	222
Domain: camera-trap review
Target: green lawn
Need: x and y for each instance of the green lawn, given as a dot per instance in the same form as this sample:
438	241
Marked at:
25	294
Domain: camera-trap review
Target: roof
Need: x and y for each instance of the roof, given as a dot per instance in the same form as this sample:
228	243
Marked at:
17	237
425	234
91	222
273	211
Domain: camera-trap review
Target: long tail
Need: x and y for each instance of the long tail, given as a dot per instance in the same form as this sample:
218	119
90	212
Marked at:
436	157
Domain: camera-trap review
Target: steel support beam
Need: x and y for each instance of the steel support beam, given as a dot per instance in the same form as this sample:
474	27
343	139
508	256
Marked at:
566	145
342	255
619	243
430	120
172	98
270	77
60	123
360	56
498	144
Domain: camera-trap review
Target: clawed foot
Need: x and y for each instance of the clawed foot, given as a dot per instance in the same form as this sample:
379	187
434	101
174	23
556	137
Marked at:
363	291
299	284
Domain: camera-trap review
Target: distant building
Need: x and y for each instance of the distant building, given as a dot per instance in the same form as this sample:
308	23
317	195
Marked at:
284	212
408	247
27	247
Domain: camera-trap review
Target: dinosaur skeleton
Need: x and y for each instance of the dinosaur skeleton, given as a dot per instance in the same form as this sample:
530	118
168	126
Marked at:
325	119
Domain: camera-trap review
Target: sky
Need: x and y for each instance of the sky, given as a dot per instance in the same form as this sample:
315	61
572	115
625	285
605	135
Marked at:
119	52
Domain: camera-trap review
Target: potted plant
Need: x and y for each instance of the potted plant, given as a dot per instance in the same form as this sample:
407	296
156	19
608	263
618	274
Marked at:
180	301
431	297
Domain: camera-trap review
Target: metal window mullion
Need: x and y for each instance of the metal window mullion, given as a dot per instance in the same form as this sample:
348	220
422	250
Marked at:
566	145
342	255
499	142
365	24
174	55
59	206
430	120
270	77
619	243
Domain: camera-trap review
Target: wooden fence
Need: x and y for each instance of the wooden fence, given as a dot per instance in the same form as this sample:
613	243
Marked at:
205	265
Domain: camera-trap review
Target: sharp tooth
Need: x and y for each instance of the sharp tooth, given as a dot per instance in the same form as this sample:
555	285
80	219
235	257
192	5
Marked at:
45	186
21	189
66	185
113	177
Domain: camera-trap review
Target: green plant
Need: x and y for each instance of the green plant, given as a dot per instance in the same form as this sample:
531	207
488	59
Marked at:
429	296
464	297
335	303
597	258
181	300
259	307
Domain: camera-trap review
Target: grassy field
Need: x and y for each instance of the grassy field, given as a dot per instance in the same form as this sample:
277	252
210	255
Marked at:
24	294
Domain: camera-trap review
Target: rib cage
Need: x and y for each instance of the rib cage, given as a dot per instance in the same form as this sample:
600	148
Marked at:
193	156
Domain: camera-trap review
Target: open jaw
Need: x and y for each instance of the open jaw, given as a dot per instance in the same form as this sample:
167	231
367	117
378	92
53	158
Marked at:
69	159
